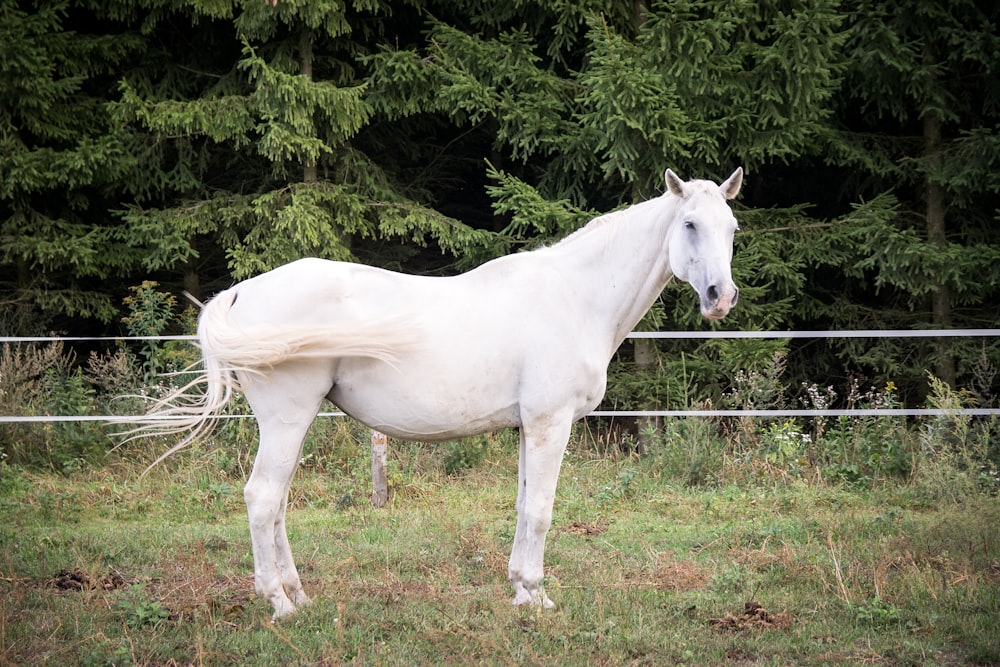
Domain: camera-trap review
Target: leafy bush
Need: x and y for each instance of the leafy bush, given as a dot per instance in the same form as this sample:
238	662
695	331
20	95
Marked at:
864	449
47	380
150	311
69	444
689	449
948	457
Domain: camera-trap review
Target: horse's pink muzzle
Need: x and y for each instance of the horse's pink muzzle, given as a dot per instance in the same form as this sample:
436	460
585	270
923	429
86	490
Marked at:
716	306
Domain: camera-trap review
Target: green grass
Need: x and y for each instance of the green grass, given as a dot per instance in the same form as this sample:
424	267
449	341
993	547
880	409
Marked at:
642	569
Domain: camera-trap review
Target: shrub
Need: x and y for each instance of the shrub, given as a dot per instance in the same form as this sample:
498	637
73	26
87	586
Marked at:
689	450
69	444
35	381
866	449
22	391
956	458
150	314
47	380
465	454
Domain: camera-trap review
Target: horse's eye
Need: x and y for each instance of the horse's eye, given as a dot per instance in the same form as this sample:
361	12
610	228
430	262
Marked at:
688	224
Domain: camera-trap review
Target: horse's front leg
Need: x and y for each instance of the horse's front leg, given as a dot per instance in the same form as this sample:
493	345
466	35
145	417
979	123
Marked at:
543	442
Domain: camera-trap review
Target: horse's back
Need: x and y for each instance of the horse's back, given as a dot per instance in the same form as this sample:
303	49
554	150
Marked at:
503	296
477	345
311	291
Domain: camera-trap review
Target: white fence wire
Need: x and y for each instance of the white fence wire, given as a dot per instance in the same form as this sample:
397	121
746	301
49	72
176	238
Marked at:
673	335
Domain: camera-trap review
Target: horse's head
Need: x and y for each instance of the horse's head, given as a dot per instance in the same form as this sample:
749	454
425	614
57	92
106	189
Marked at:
701	240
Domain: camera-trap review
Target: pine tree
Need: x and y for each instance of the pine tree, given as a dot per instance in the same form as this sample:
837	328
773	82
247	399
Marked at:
919	112
269	145
198	142
60	164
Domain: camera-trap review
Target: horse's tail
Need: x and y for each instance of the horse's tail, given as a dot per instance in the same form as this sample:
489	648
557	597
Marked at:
233	356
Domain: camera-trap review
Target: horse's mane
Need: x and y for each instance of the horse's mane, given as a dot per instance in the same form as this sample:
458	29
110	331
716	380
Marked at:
599	224
602	221
590	227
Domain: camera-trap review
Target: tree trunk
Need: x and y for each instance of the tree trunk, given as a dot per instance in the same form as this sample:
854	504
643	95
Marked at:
937	237
192	282
309	172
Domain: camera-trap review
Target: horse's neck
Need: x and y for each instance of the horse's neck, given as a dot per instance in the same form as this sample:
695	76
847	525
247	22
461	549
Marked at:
624	264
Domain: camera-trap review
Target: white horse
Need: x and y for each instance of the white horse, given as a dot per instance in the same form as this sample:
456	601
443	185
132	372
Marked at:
522	341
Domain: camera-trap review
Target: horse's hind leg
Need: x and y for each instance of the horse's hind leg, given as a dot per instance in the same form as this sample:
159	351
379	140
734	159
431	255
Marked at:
284	411
543	442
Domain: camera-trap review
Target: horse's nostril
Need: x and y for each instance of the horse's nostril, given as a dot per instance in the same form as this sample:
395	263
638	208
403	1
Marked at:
712	293
736	295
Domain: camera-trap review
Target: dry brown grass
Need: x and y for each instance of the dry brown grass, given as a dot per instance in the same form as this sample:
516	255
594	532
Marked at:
673	574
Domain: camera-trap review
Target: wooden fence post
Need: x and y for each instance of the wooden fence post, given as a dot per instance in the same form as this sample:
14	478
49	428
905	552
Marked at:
380	479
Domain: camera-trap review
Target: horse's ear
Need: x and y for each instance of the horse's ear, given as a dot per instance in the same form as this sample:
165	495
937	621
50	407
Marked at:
731	187
674	183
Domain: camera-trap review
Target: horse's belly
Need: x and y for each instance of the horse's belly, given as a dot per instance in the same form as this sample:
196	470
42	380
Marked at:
432	409
436	430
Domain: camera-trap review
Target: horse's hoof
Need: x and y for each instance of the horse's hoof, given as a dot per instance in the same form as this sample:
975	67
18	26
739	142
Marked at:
282	609
301	599
539	599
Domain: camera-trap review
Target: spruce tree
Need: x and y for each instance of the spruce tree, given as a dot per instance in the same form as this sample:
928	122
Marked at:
268	140
917	143
61	164
201	142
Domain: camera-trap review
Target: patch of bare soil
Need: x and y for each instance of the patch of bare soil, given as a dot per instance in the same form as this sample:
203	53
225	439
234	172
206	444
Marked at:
191	584
581	528
78	579
754	617
222	596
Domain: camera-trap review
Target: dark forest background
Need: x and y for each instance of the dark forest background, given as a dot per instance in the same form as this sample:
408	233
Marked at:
195	143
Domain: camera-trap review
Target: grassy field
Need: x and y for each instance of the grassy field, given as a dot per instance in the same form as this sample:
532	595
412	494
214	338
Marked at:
97	568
